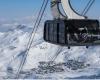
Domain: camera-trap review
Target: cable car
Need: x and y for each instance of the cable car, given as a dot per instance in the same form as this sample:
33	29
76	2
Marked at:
75	30
72	32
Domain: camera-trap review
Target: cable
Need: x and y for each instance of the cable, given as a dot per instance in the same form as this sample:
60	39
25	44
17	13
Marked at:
32	36
88	6
57	53
36	20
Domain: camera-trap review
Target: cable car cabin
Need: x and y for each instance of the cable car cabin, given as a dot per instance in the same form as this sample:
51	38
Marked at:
72	32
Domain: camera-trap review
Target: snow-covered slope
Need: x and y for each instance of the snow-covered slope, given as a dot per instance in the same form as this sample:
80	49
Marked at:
13	42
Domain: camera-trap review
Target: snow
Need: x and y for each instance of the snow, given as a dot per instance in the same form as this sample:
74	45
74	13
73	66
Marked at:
13	42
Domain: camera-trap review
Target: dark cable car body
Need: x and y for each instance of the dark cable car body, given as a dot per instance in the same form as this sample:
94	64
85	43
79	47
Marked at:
71	29
72	32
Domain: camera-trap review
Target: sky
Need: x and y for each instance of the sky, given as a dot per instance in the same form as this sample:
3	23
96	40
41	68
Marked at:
18	8
11	9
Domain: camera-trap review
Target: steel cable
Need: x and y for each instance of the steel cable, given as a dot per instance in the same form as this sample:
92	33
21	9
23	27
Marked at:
44	5
88	6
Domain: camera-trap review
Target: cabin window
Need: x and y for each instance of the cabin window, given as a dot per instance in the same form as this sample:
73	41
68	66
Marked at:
46	31
55	32
51	31
61	33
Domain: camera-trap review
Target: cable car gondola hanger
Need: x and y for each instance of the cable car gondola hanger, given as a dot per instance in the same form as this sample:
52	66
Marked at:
71	29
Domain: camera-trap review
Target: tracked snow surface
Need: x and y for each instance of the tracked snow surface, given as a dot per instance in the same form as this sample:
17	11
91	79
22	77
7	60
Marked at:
13	41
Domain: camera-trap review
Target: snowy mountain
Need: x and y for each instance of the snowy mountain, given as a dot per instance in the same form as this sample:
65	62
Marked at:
13	42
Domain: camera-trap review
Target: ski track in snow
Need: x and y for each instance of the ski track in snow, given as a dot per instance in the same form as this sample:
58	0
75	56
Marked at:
13	43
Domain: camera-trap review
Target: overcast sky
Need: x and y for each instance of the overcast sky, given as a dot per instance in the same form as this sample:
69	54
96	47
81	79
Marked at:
10	9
